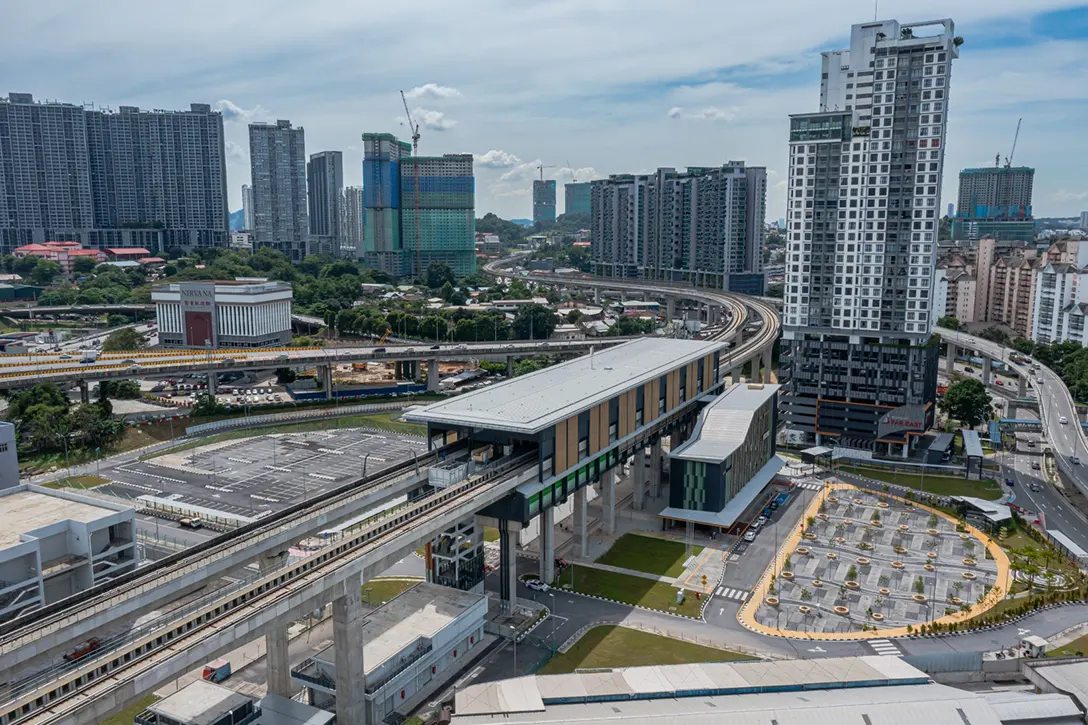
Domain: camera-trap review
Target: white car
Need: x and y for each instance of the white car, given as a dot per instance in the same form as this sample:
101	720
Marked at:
750	535
1063	420
536	585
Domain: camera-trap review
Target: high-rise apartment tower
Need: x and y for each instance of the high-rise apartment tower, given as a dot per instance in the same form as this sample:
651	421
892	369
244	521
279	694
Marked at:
995	201
858	360
130	178
277	159
353	224
382	154
325	178
247	207
577	197
544	201
439	223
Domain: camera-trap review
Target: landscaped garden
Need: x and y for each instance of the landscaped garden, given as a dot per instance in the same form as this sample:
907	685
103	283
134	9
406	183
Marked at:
615	646
649	554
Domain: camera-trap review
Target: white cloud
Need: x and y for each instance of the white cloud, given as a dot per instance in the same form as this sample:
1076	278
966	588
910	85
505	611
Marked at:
710	113
236	152
1063	195
433	90
432	120
233	112
496	159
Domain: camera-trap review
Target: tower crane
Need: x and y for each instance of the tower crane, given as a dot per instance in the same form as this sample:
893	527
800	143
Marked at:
414	128
1008	159
573	178
541	168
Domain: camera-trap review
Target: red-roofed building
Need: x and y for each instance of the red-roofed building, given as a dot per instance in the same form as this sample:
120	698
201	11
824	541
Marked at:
63	253
151	260
120	254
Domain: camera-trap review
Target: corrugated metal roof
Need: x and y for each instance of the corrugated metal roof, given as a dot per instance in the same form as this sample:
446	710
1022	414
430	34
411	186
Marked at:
723	425
530	403
1028	706
971	445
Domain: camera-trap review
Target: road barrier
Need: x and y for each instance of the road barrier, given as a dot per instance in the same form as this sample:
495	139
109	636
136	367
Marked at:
252	421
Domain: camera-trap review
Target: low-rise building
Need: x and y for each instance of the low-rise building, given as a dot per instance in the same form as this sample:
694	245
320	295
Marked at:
412	644
568	332
127	254
234	313
719	472
241	240
9	456
63	253
205	703
54	544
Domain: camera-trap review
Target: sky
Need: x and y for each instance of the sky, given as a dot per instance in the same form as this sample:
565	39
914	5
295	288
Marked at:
585	88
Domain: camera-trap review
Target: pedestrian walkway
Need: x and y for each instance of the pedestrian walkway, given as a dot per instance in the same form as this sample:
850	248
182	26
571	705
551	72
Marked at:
738	594
629	572
810	485
884	647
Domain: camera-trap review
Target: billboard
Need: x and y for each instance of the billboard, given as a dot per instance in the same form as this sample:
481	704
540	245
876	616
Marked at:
905	418
198	313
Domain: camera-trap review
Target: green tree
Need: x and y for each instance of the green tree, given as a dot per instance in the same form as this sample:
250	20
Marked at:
631	326
949	322
119	389
967	401
994	334
439	274
84	264
534	322
1024	346
124	339
45	272
446	292
574	315
285	376
25	265
207	405
433	327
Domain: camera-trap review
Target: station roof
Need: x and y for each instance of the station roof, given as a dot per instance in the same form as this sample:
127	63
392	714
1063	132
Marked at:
199	703
723	425
530	403
24	510
972	448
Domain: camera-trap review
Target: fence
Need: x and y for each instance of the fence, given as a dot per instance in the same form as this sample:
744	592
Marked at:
254	421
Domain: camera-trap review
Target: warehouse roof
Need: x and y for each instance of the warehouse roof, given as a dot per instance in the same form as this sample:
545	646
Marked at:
533	402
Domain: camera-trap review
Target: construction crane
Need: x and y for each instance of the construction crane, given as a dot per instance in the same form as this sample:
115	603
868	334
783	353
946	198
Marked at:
573	178
541	168
1012	153
414	128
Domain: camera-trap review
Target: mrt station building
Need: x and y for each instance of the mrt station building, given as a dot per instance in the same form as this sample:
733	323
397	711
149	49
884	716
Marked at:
578	422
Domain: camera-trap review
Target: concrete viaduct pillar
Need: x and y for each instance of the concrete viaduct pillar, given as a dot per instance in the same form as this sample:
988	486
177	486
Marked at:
275	639
547	545
670	308
753	376
656	456
84	392
347	632
608	500
767	366
324	373
1022	387
508	570
950	361
213	382
509	366
986	363
638	480
581	514
432	375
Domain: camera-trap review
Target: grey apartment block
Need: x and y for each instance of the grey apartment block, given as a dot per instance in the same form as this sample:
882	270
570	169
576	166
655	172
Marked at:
864	187
325	177
544	201
247	207
703	226
155	179
277	157
353	224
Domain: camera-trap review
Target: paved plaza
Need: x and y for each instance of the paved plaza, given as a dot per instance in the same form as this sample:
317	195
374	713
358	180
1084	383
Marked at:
872	560
264	473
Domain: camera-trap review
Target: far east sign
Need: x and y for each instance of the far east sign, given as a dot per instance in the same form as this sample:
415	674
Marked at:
198	313
905	418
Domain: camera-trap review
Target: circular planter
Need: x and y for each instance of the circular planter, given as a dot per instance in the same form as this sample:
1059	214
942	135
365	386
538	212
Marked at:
863	561
965	537
822	517
832	499
882	505
904	527
877	616
788	575
817	583
970	575
810	536
832	555
859	501
803	609
919	598
933	532
847	522
840	540
932	555
853	585
842	610
865	546
876	524
969	562
900	549
802	550
884	591
898	565
957	601
773	601
929	567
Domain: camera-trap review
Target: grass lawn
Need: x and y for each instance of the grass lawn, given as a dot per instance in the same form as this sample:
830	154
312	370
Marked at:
382	590
1076	648
629	589
613	646
938	485
648	554
381	421
126	716
83	482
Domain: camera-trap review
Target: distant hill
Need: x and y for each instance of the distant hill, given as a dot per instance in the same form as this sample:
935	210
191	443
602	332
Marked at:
523	222
237	220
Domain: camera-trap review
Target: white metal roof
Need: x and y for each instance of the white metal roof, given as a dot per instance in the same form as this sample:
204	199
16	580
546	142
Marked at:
1029	706
533	402
723	425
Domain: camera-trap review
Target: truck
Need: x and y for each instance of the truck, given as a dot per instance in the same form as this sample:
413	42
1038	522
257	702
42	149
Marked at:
83	649
483	454
88	356
216	670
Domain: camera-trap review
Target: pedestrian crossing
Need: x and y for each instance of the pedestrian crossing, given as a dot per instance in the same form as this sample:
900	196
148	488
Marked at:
884	647
738	594
810	485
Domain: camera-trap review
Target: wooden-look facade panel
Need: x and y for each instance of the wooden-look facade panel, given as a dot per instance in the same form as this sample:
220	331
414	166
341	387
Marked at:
604	422
594	429
561	463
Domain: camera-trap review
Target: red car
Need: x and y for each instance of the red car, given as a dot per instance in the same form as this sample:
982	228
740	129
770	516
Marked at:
998	381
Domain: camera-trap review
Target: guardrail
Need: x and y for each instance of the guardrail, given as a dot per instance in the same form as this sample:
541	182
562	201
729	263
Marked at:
256	421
